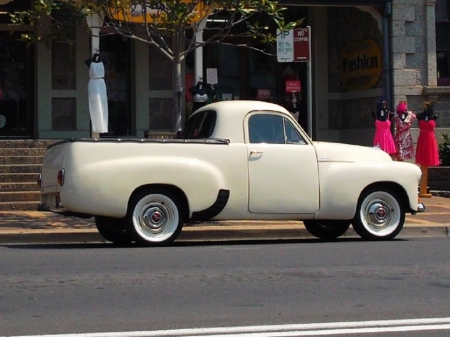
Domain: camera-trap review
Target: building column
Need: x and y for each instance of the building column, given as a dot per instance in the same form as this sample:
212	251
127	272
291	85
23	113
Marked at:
430	24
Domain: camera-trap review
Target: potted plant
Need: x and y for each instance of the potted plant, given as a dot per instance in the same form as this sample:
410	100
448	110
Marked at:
439	176
444	150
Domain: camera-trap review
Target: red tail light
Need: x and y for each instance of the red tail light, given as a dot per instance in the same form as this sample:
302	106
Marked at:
61	174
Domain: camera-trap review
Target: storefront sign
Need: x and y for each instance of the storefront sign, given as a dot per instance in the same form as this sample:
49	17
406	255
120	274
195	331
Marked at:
211	76
133	11
293	86
263	94
360	65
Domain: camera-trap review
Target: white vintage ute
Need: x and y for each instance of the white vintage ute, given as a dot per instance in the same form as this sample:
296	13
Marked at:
235	160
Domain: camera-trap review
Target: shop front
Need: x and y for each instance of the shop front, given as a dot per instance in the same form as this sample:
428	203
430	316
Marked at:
355	60
16	80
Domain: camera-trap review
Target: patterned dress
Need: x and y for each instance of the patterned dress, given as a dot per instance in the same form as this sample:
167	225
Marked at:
383	136
403	138
427	153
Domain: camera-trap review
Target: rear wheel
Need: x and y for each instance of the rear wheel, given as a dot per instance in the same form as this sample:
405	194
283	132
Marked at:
327	229
113	229
380	215
155	218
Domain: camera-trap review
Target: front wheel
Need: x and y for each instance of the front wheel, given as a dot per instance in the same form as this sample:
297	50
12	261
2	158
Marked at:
155	218
327	229
379	215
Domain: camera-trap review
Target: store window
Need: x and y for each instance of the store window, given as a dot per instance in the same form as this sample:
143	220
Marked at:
443	41
17	89
63	65
160	79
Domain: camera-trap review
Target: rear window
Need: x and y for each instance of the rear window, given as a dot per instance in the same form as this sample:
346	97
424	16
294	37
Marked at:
201	125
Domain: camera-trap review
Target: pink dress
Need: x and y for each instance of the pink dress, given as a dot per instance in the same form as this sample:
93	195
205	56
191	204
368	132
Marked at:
383	136
403	139
427	153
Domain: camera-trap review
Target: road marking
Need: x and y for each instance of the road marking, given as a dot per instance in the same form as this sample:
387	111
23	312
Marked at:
287	330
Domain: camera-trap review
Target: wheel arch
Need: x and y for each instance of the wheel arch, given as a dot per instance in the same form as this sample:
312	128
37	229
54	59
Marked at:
163	187
388	185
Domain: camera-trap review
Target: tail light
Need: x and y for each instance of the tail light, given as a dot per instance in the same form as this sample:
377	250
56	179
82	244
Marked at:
61	175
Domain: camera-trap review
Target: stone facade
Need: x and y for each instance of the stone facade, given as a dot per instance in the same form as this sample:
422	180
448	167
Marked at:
414	60
412	69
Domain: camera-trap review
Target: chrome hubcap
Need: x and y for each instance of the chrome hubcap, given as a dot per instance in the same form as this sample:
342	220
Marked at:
154	218
379	213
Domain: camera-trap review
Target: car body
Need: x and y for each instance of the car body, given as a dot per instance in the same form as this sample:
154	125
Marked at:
235	160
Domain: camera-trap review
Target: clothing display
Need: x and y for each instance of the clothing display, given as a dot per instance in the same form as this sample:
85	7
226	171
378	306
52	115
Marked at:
98	99
383	136
199	95
403	138
427	153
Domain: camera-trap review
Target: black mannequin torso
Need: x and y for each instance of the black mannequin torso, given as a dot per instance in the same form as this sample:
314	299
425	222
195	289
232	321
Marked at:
95	58
200	95
199	89
427	116
382	114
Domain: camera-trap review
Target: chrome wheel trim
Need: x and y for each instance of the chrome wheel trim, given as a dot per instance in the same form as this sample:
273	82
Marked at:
155	218
380	214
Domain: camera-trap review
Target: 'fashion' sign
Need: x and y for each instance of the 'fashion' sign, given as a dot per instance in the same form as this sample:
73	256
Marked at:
360	65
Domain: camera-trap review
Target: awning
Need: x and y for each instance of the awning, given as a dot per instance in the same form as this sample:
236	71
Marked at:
348	3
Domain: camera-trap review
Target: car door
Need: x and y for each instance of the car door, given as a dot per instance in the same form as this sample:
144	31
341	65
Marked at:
282	166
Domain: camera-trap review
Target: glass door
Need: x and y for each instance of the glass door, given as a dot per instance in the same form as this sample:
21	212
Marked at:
115	53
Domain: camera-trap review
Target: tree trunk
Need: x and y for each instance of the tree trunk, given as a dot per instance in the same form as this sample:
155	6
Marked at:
177	94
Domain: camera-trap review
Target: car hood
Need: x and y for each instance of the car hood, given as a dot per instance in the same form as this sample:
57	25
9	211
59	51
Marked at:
332	152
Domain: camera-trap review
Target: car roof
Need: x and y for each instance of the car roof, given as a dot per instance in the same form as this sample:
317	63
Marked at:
231	116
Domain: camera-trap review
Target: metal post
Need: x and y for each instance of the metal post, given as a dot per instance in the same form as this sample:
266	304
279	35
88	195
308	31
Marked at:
386	57
198	70
309	87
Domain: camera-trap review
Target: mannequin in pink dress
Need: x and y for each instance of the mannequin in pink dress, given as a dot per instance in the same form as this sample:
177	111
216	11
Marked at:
383	136
427	153
403	119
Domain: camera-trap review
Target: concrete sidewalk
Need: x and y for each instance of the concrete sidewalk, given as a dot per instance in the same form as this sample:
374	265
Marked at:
48	227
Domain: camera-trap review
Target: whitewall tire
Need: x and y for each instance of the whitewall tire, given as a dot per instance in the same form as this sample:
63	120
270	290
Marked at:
155	218
380	215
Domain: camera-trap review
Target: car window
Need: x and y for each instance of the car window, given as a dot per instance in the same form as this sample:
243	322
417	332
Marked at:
201	125
265	128
273	129
292	134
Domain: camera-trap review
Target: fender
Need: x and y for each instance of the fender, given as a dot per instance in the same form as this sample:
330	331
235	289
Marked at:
127	175
341	176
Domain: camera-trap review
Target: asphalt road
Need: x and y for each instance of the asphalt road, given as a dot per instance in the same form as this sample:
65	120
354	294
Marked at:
64	289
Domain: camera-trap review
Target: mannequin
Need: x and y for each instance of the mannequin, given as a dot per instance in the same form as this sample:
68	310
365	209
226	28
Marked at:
199	95
403	119
98	99
294	106
383	136
427	153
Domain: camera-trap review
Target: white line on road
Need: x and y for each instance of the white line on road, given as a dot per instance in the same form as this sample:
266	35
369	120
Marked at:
310	329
